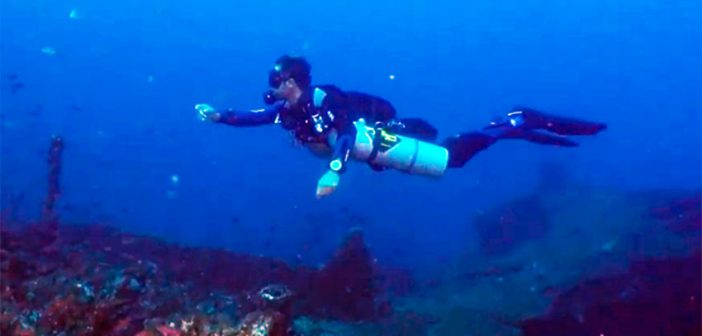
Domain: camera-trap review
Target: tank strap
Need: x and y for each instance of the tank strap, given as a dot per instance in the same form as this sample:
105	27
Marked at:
414	155
377	138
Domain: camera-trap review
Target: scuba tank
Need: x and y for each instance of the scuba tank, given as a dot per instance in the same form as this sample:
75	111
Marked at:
379	146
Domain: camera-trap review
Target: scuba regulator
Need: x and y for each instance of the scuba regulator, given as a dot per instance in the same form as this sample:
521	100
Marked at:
269	98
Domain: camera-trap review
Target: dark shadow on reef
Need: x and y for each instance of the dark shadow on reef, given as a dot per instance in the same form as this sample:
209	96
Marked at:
654	297
573	259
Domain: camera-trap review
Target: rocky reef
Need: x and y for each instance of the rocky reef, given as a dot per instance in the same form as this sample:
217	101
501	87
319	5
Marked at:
566	259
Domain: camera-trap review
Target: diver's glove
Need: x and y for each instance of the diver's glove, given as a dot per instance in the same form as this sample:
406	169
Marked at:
327	183
207	112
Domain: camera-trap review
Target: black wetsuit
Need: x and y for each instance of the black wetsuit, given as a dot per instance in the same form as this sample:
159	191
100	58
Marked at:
322	109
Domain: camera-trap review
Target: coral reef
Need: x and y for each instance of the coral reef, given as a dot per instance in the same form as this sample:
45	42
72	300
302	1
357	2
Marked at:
99	281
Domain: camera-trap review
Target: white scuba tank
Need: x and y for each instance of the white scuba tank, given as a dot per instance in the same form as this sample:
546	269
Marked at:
398	151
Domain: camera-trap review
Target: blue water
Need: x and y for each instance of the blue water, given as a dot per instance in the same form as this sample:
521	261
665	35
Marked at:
118	80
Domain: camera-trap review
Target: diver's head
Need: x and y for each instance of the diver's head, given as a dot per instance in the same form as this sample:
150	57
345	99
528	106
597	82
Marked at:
288	78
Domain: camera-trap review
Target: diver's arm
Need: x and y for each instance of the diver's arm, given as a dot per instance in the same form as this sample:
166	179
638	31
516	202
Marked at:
239	118
249	118
346	136
340	122
342	150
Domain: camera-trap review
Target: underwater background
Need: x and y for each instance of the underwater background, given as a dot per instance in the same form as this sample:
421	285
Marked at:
118	82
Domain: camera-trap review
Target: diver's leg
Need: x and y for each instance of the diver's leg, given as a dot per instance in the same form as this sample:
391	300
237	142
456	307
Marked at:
528	119
463	147
525	124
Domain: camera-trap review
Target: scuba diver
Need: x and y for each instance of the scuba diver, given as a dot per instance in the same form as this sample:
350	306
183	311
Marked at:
339	125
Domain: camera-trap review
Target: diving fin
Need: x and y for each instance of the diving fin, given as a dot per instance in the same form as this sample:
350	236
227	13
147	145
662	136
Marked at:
547	139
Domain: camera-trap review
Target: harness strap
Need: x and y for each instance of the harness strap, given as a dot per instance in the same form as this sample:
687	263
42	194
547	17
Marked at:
377	139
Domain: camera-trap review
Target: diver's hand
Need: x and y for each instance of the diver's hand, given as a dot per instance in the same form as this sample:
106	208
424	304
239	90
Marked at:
207	112
327	184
